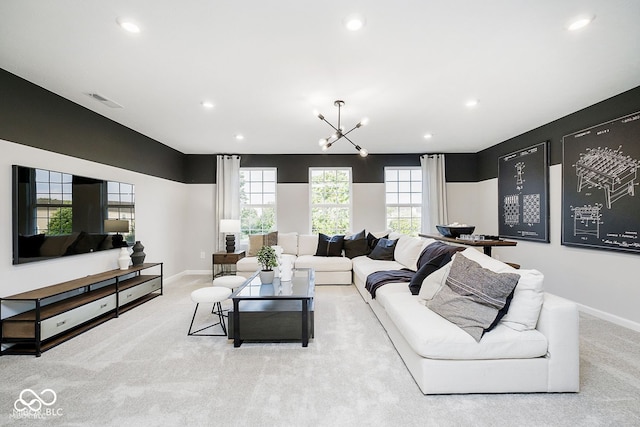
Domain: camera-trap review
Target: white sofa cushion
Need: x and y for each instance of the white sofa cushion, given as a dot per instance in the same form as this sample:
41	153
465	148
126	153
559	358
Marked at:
324	263
307	244
434	337
528	296
408	250
364	266
288	242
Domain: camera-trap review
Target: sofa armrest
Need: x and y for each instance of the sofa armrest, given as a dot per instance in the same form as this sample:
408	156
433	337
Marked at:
559	322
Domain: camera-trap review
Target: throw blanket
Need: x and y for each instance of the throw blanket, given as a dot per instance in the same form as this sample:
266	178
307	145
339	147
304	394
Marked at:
380	278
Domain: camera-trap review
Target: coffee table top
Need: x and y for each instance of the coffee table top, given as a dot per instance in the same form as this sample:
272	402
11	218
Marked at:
301	285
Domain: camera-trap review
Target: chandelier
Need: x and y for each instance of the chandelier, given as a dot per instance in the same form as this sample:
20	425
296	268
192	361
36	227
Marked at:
339	133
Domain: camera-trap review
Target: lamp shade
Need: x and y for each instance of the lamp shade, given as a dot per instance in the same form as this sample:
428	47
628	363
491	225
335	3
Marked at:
116	225
229	225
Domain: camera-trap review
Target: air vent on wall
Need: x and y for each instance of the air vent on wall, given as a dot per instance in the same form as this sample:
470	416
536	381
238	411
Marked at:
106	101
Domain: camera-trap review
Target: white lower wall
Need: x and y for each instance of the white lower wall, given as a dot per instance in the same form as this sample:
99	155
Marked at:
604	282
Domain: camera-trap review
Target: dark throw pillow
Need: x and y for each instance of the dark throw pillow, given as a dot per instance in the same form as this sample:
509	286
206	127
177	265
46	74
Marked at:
473	296
372	240
29	246
356	245
329	245
384	249
428	268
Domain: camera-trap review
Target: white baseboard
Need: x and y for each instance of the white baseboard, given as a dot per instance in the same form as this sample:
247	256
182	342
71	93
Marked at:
610	317
177	276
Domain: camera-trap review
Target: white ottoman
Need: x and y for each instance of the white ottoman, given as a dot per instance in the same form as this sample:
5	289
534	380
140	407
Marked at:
231	282
214	295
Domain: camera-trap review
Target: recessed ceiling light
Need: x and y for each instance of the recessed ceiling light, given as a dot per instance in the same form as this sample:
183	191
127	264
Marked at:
128	25
207	104
428	135
238	136
580	22
354	22
471	103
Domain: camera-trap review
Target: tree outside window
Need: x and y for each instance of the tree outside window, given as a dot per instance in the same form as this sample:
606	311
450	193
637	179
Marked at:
330	191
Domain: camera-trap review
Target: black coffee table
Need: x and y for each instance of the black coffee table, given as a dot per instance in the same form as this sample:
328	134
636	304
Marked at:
280	311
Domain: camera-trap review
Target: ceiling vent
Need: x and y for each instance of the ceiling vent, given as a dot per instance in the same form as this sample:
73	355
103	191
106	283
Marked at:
106	101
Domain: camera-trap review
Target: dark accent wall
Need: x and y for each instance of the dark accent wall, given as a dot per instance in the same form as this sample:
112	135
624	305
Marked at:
33	116
620	105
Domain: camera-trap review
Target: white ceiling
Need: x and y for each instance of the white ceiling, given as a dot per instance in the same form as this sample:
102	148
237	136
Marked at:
266	65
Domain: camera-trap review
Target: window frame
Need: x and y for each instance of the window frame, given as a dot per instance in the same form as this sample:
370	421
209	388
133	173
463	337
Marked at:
330	205
263	205
411	205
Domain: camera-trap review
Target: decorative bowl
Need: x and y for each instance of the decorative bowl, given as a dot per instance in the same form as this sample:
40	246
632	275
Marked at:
455	231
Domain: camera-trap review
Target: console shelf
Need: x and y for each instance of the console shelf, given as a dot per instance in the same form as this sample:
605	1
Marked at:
65	310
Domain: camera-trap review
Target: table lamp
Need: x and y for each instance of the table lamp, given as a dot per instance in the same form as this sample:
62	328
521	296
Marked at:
230	226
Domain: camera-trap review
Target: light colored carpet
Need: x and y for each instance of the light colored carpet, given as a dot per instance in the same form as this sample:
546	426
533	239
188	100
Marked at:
143	370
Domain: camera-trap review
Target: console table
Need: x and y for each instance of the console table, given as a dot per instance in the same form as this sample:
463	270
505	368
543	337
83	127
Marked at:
485	244
65	310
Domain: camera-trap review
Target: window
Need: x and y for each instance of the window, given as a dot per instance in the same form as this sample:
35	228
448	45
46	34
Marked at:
53	202
257	201
121	205
330	196
403	199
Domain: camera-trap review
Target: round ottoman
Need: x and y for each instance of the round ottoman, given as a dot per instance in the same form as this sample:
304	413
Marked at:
210	295
231	282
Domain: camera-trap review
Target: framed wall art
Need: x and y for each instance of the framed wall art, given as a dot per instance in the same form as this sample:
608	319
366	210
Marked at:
600	204
523	194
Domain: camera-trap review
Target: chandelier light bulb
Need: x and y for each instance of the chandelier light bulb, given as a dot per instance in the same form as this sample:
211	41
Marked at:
323	141
363	152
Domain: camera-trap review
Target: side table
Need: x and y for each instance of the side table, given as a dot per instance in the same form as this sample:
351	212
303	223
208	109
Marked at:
226	259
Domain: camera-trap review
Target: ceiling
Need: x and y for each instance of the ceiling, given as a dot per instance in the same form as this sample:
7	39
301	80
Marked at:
266	65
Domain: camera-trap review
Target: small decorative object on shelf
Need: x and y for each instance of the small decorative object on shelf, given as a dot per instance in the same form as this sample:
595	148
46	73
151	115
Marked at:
123	259
267	259
137	256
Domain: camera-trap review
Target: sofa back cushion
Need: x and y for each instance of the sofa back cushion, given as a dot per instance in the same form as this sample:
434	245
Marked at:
408	250
256	241
288	242
307	244
330	245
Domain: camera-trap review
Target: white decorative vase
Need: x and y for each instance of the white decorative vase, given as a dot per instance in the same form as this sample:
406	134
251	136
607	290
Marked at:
124	259
266	276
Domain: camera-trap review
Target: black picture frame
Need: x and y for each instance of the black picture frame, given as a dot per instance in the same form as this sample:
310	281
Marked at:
523	194
600	204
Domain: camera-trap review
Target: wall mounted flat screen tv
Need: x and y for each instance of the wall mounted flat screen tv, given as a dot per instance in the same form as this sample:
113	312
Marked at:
60	214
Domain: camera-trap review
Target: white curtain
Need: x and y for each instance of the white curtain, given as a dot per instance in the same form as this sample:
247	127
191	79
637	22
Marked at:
434	192
227	192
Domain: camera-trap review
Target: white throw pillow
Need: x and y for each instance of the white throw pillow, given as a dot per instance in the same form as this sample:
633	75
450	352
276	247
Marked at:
289	242
307	244
432	284
408	250
527	298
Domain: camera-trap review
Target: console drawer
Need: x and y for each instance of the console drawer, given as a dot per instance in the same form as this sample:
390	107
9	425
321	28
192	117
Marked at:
72	318
129	295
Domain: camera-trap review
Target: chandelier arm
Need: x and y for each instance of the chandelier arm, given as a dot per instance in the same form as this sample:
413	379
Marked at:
352	143
334	128
351	130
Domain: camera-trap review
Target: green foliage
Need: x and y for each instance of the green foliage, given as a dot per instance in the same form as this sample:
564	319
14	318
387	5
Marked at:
257	221
330	188
60	222
267	258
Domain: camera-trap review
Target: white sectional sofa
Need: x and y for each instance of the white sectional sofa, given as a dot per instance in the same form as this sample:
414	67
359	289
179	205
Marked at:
301	248
512	357
534	348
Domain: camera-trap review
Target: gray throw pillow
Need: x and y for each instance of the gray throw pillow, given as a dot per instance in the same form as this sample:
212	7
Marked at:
472	296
